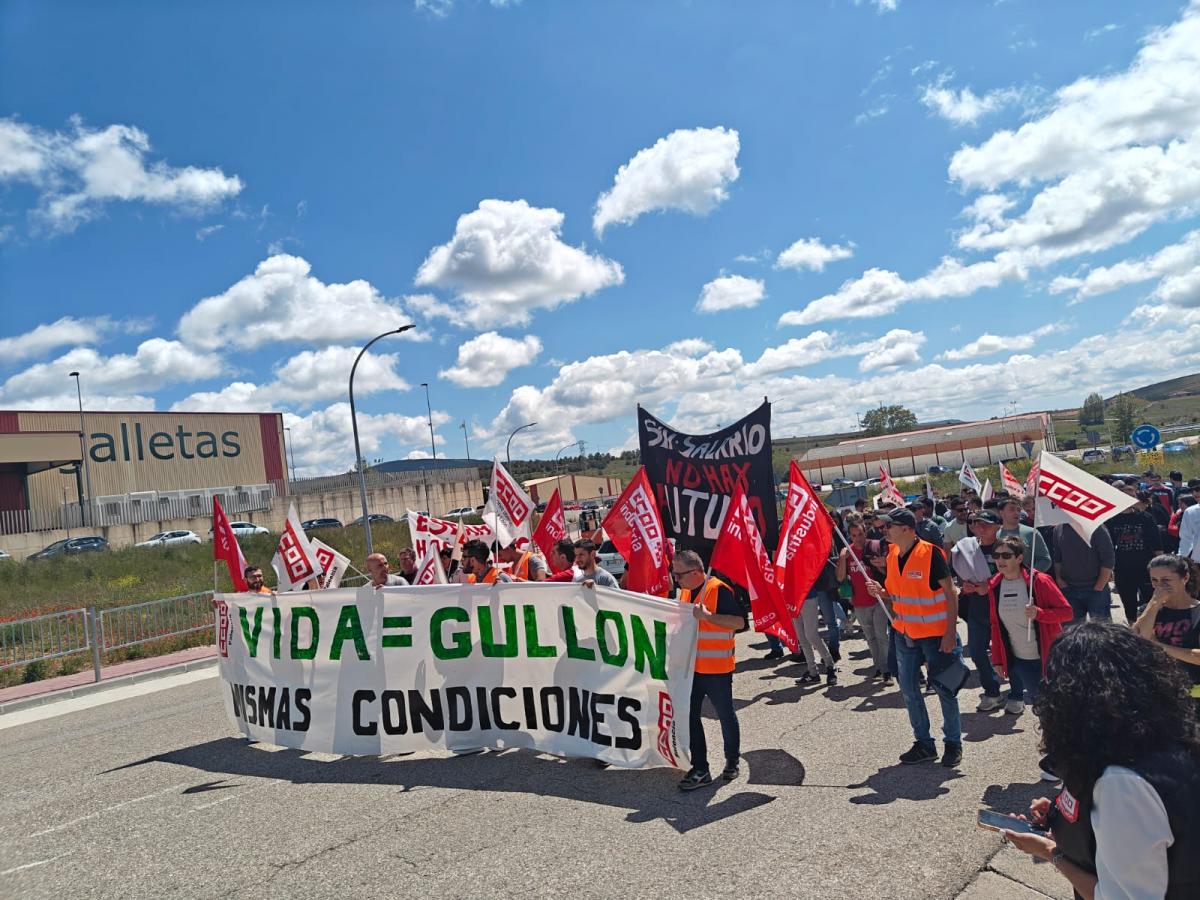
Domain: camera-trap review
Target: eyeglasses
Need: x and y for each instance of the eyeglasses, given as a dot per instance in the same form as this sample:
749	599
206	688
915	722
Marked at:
1004	556
675	573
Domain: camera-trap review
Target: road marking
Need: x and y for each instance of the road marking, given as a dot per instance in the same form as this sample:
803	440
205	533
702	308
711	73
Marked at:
34	865
109	809
100	698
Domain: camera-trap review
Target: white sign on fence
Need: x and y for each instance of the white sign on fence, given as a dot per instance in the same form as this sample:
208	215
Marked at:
559	668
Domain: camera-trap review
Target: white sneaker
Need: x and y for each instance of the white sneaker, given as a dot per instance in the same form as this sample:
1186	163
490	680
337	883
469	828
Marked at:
1014	707
987	702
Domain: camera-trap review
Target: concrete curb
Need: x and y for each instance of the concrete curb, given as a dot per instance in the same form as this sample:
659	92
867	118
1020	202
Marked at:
84	690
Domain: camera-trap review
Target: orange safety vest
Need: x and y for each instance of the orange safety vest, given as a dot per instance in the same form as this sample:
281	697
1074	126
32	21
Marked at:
521	569
489	578
919	612
714	645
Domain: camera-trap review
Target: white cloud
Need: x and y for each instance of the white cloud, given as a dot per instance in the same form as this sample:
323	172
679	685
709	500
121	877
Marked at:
60	333
730	292
506	260
899	347
688	170
1094	33
281	302
323	441
796	354
77	172
156	364
486	360
881	6
303	381
964	106
810	253
207	231
1182	290
988	344
880	291
1173	259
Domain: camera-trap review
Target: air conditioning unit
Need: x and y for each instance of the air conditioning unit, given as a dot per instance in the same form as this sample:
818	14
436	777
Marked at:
112	509
143	505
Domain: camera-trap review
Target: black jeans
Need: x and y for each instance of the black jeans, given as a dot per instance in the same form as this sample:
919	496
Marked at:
1135	591
719	691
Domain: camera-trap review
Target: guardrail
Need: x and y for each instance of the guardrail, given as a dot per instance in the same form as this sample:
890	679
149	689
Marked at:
138	623
24	641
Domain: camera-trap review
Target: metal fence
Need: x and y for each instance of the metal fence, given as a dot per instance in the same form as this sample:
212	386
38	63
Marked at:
129	511
73	631
138	623
24	641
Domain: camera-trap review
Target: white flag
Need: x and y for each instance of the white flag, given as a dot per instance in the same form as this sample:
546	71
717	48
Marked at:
509	509
295	562
333	564
890	493
1014	487
987	493
928	489
967	476
429	569
1071	495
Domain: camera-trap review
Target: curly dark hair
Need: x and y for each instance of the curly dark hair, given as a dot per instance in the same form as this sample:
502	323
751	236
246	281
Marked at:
1111	697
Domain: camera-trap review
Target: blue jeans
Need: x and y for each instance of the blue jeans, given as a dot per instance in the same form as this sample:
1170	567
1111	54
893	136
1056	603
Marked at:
910	656
1024	679
979	639
719	691
1089	603
830	610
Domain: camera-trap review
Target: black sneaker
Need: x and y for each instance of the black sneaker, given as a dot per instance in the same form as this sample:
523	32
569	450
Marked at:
730	772
919	753
836	654
952	755
695	778
774	654
808	678
876	674
830	675
887	679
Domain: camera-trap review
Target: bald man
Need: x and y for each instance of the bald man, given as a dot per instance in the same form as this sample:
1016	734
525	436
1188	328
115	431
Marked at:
377	568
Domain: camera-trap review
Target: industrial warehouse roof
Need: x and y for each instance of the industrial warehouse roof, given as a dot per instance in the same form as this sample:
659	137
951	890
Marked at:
428	465
1033	424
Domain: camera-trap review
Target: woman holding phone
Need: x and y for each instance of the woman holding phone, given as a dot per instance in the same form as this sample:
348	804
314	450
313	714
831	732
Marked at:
1020	650
1118	723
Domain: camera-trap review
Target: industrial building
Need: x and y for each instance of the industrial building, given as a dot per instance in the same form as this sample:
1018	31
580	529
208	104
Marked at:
913	452
572	487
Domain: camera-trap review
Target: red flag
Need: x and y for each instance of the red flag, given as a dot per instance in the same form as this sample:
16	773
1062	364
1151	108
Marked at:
552	527
1014	487
740	554
225	546
636	529
805	537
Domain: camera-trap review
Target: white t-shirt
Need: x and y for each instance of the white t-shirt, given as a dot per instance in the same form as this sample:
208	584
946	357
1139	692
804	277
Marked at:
1132	837
1014	597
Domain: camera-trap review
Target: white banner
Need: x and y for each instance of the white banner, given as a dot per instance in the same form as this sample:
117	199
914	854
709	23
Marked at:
1071	496
559	668
426	530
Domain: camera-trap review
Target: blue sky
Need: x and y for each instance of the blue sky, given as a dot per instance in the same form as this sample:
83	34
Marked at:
586	205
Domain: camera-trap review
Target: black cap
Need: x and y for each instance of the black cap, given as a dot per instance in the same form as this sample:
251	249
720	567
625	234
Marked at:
899	517
986	516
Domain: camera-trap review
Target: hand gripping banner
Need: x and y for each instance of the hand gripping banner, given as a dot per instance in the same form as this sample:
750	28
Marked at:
559	668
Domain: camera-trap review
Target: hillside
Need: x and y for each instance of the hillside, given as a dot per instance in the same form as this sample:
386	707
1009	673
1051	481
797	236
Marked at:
1186	385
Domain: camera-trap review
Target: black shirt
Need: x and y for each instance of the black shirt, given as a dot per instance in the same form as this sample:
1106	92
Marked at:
727	604
938	569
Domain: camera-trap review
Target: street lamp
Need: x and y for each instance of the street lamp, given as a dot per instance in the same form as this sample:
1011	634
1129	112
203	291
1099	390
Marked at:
429	410
508	445
291	451
358	460
466	440
87	470
557	473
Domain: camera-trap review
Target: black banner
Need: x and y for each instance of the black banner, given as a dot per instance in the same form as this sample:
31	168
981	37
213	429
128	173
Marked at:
694	476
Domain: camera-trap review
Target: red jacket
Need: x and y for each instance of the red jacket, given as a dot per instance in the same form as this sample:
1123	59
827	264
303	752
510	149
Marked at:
1053	610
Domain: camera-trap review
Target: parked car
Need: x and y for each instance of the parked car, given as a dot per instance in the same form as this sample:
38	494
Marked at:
841	481
590	504
461	512
240	529
868	482
165	538
71	546
1127	477
324	522
4	554
610	560
939	470
1175	447
375	518
1093	455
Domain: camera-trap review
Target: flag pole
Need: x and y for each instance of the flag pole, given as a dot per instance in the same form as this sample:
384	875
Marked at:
859	563
1033	547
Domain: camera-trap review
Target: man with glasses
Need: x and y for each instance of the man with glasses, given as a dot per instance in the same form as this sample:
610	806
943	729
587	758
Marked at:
925	616
720	618
972	561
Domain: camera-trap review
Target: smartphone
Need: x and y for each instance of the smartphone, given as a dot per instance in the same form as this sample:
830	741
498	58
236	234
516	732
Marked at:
994	821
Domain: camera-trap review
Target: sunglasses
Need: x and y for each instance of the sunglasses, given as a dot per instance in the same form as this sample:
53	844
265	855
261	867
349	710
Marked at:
677	574
1004	556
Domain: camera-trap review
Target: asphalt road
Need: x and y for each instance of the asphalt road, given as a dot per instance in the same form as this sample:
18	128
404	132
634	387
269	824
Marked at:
155	796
